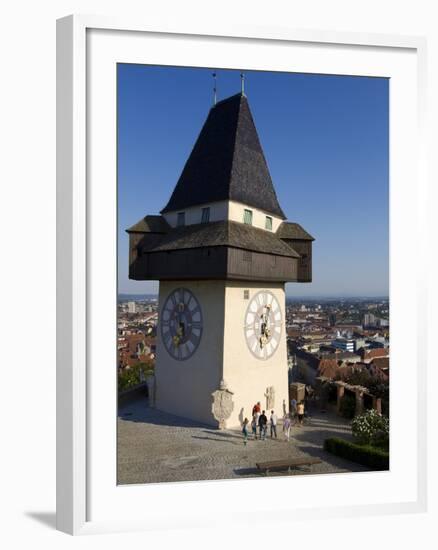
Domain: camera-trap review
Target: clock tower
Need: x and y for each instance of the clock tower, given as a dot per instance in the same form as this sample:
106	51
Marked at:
222	251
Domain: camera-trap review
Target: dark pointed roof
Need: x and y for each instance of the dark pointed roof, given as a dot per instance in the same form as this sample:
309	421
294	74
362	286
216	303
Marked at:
226	163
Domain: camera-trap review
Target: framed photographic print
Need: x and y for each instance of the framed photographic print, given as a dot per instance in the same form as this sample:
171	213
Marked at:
239	243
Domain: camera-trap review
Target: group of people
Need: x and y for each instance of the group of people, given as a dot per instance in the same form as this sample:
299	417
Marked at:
259	422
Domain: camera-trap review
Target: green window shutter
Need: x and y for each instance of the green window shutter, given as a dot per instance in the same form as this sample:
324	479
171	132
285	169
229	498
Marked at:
181	219
205	216
247	216
268	223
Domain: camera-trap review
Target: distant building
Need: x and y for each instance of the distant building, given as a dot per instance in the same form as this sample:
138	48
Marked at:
368	355
345	344
373	344
380	363
347	356
132	307
135	348
348	326
332	319
369	320
359	343
378	342
334	366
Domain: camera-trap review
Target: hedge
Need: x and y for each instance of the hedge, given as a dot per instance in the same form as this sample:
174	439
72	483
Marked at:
375	459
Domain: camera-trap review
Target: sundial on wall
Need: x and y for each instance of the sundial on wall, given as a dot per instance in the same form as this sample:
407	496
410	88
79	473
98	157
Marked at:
262	326
181	324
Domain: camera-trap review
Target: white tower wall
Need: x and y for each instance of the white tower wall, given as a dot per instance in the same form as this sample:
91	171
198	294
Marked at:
246	376
184	388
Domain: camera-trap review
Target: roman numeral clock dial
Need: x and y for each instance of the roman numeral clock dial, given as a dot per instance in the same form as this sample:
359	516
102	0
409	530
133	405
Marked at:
263	322
181	324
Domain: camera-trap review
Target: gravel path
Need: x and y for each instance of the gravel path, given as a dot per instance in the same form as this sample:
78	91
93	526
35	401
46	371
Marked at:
155	447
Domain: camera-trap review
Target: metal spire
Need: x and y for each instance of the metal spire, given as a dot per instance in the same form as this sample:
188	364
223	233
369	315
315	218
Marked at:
242	83
214	89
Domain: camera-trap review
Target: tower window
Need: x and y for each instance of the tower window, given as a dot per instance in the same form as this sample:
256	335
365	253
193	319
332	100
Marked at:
268	223
181	219
247	216
205	216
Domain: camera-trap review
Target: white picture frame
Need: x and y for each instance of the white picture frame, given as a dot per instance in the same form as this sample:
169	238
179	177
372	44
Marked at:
88	48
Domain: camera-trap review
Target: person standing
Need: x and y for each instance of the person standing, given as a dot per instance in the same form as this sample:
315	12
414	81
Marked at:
263	420
293	408
254	424
257	408
300	412
286	426
273	421
245	431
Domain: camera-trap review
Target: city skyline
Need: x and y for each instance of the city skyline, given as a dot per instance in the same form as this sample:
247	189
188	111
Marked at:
309	297
325	139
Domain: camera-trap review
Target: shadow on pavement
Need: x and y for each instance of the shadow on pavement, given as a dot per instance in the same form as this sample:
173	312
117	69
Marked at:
214	439
333	460
317	437
224	435
243	472
139	411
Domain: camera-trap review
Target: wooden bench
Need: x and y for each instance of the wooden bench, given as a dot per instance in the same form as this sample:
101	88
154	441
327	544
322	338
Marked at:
266	467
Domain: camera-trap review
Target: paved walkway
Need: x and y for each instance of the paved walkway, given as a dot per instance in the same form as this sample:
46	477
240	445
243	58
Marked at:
154	447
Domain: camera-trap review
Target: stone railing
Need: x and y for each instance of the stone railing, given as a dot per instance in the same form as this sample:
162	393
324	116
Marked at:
359	392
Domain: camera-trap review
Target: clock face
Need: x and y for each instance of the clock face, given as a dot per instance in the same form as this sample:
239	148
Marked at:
181	324
263	322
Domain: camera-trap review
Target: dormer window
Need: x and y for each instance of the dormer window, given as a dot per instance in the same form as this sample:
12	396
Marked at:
247	217
205	215
268	223
181	219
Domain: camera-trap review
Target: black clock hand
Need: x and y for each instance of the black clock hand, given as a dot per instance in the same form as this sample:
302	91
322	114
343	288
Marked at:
268	318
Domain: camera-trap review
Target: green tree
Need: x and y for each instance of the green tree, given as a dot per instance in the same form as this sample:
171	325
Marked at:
132	376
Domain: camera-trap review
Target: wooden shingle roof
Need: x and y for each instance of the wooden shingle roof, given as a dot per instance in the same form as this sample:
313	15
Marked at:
150	224
226	163
224	233
289	230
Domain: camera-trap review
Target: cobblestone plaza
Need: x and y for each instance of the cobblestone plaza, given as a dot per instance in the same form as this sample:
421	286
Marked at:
157	447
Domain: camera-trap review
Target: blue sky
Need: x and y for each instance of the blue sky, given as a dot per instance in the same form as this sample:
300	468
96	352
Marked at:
325	139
